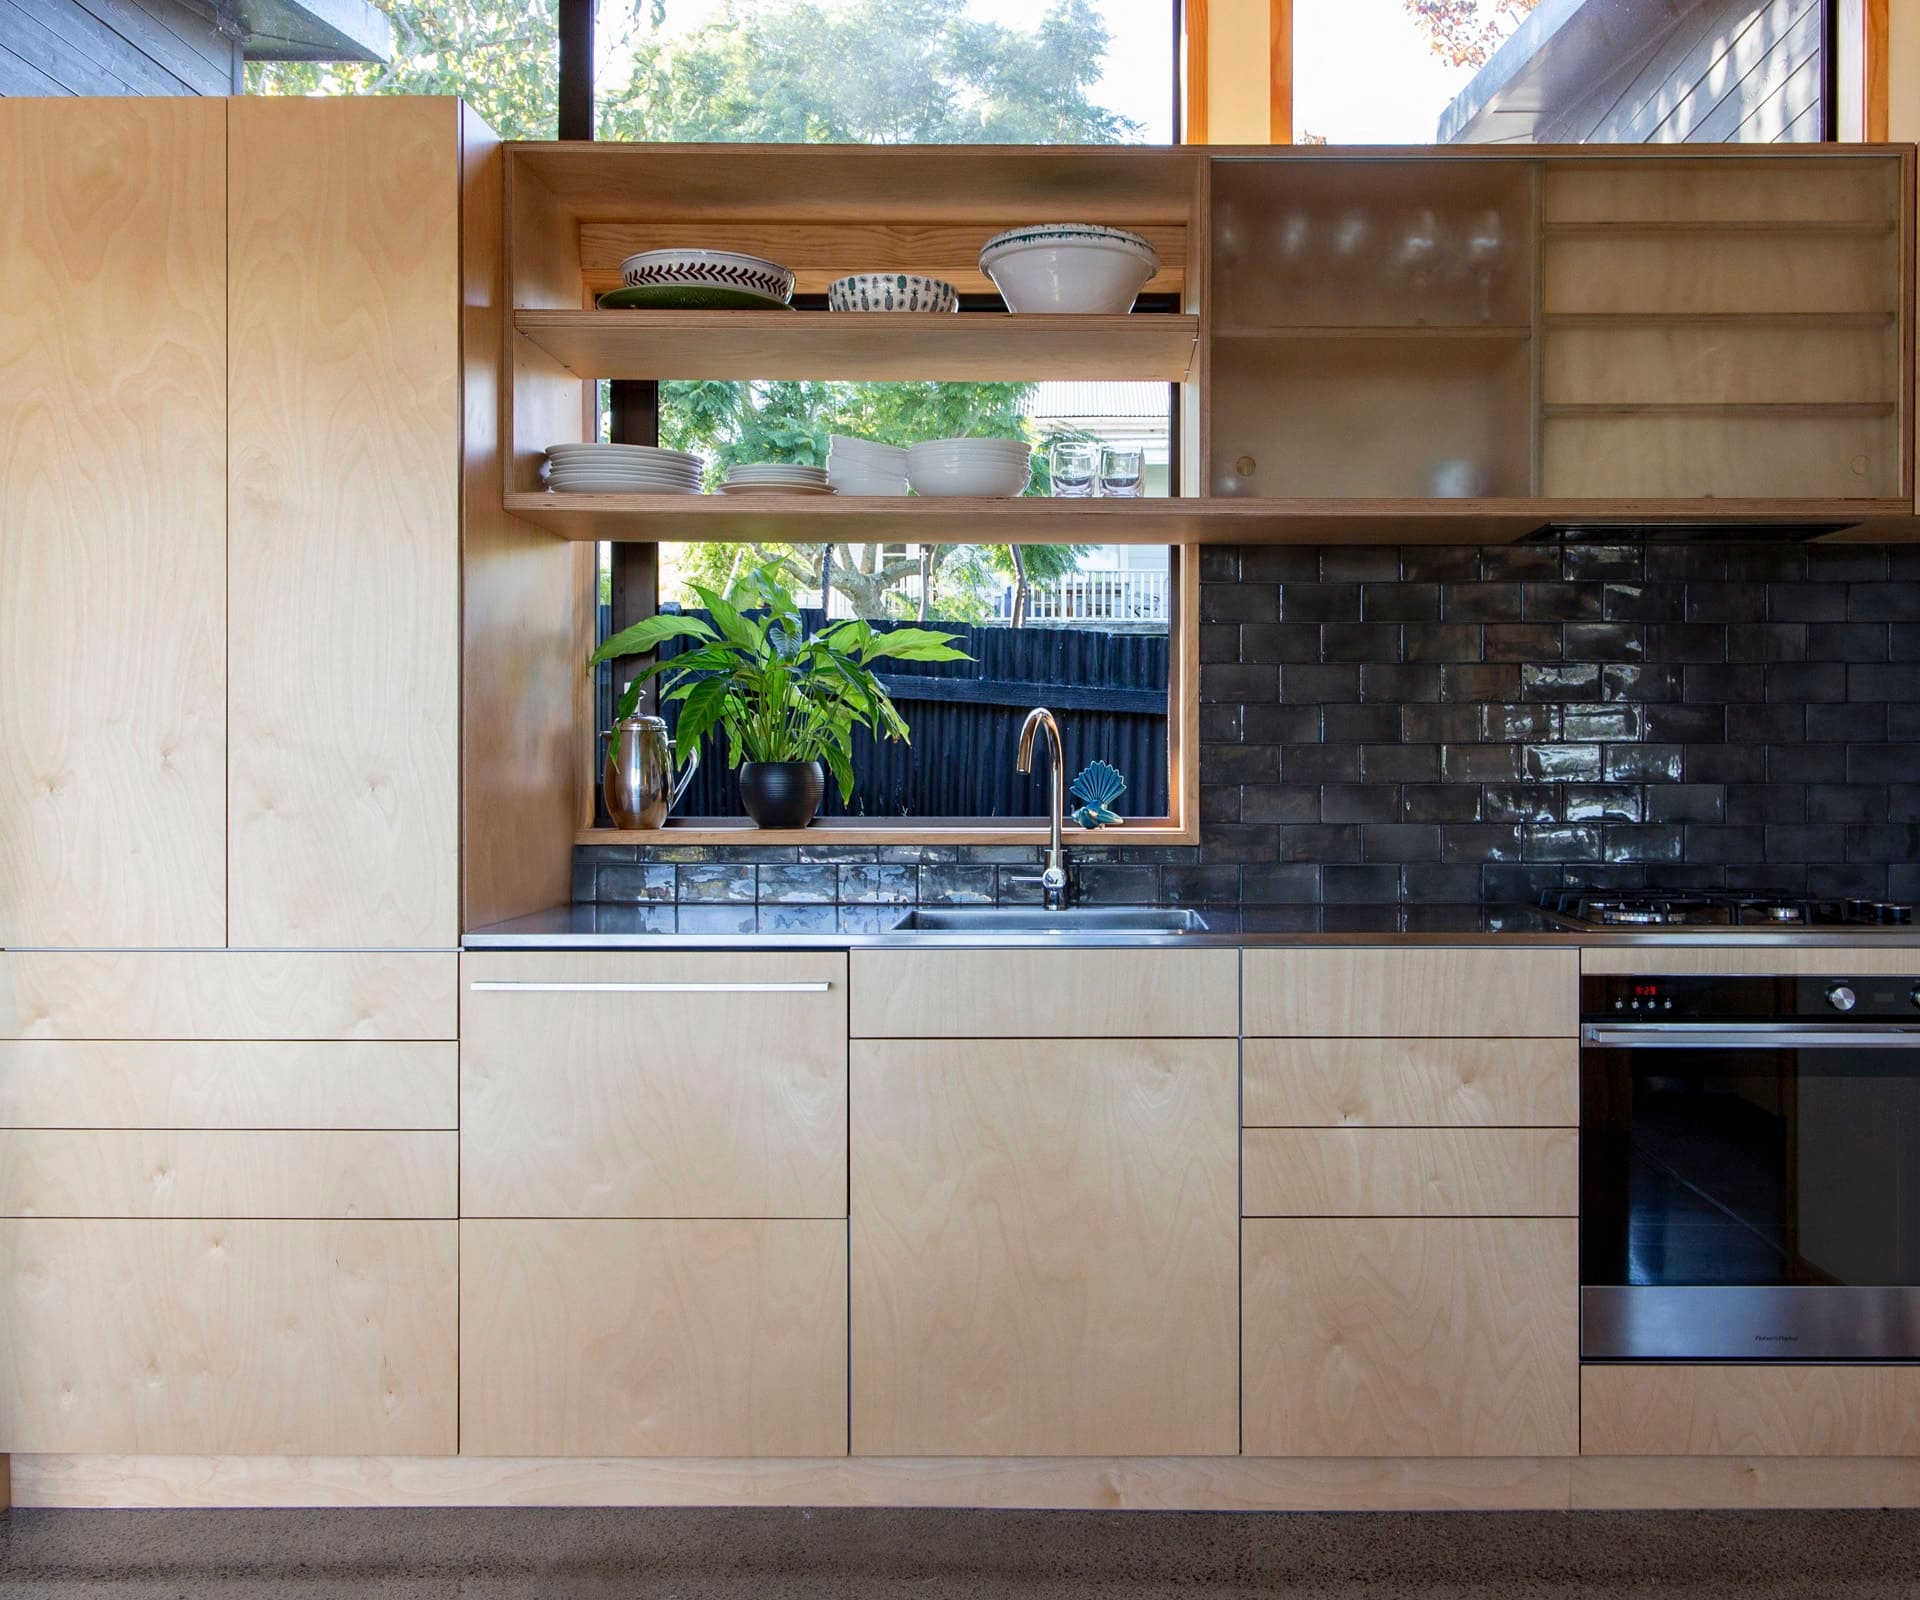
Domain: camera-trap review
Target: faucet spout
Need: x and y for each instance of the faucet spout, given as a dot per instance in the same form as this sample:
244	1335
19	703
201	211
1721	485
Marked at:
1053	880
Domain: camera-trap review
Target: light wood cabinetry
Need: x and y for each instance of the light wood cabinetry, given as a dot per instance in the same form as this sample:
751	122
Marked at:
1702	1410
1400	993
228	1083
622	1338
219	995
670	1085
344	428
1005	994
113	534
1043	1240
197	1172
1410	1337
243	1338
1410	1083
1411	1172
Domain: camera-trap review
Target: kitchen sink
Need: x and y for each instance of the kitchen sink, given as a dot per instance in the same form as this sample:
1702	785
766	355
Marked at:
1036	919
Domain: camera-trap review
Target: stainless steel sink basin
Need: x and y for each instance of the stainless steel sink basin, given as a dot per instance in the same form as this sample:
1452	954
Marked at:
1035	919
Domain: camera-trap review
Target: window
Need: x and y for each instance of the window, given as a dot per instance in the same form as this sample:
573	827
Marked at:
1561	71
1086	630
501	56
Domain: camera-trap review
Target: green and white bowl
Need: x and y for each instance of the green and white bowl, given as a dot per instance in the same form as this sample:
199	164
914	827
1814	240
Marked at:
891	291
723	271
1069	267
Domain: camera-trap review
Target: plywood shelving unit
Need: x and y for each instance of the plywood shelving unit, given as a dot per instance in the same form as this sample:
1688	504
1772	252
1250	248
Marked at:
1571	336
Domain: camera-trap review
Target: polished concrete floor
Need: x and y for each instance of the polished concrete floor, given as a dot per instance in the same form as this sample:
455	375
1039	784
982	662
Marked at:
931	1555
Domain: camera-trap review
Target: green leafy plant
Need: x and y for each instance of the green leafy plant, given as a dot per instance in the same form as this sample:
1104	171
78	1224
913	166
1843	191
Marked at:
775	691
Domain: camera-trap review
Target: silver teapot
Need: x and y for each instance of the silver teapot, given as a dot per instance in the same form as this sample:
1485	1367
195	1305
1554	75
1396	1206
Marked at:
639	777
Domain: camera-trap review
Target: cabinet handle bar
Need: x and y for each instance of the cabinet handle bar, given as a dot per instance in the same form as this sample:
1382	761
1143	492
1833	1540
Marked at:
503	986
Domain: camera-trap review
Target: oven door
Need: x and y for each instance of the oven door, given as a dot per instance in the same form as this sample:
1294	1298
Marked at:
1749	1192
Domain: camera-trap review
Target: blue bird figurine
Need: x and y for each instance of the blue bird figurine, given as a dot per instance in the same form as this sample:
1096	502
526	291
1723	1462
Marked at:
1096	788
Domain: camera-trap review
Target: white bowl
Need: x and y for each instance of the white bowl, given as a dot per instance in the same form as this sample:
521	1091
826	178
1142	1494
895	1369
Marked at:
940	450
891	291
844	447
865	483
984	475
1066	269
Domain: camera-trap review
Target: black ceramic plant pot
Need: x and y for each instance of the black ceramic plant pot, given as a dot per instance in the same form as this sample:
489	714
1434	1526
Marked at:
782	794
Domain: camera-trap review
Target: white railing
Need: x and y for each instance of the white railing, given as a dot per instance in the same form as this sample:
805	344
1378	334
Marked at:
1095	596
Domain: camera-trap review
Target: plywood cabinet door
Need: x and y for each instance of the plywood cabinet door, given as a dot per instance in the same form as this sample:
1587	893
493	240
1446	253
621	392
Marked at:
113	538
1411	1336
1043	1242
344	432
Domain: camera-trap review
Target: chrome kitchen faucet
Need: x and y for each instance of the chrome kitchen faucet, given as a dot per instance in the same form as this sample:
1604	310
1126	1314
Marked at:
1053	881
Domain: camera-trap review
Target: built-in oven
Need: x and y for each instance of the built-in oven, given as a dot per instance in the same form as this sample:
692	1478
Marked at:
1750	1168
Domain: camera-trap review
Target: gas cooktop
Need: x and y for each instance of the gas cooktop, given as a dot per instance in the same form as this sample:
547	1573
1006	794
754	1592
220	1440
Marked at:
1758	912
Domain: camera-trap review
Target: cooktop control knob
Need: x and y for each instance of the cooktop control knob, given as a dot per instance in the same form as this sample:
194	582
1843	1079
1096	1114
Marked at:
1841	997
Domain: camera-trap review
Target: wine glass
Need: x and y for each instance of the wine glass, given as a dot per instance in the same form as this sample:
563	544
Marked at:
1419	244
1485	246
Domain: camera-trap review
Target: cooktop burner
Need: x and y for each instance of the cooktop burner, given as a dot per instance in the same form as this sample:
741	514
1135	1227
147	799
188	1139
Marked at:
1700	910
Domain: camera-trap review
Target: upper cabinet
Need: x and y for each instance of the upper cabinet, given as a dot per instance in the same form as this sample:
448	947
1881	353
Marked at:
1671	329
113	536
344	430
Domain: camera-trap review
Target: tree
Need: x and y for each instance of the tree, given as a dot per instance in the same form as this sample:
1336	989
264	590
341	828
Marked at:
1465	33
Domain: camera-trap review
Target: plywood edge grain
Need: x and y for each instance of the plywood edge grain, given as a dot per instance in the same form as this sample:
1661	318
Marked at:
1031	1483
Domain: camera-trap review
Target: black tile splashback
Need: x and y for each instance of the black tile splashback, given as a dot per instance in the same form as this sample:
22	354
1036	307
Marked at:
1458	723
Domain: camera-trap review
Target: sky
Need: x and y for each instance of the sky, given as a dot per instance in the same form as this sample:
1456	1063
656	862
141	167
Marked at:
1396	100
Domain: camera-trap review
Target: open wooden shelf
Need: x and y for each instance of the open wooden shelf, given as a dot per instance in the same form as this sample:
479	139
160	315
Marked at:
867	830
1040	520
963	347
1400	330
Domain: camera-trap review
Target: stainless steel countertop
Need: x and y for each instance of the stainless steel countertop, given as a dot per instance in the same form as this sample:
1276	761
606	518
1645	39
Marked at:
734	926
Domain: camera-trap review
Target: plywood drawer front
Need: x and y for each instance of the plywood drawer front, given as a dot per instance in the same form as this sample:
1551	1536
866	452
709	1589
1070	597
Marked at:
1044	1255
232	1338
1658	960
113	1083
1411	1172
1749	1411
1390	994
614	1338
1060	994
671	1085
1414	1083
1410	1337
114	1172
238	994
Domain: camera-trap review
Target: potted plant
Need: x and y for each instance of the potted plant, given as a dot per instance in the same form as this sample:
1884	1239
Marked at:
787	701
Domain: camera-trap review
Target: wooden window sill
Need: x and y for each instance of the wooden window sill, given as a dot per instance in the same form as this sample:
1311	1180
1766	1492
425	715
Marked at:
906	831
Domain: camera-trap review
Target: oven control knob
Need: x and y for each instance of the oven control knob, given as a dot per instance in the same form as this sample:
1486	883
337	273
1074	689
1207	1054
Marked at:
1841	998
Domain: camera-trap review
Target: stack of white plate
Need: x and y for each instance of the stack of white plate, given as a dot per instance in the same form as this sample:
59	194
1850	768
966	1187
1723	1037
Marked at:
773	478
621	469
969	466
859	466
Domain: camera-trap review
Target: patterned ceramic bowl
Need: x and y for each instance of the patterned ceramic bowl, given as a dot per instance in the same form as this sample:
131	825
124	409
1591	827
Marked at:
891	291
707	269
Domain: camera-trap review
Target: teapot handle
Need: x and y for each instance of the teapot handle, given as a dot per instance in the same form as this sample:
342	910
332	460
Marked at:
686	773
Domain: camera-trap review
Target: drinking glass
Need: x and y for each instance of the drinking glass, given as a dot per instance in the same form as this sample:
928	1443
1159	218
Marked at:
1122	469
1074	465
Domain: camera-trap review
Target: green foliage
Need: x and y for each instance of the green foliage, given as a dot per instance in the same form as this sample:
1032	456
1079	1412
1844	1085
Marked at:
778	693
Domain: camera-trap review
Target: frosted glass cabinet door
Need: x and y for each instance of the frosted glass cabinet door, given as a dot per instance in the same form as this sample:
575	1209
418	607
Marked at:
113	539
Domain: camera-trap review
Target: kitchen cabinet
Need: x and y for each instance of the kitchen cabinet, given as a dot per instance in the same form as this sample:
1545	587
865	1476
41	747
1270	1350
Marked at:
343	426
1402	993
1069	994
1411	1172
674	1085
1699	1409
1044	1239
228	1337
113	532
1411	1083
651	1338
1366	1336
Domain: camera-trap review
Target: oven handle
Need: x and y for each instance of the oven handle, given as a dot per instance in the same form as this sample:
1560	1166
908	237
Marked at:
1695	1036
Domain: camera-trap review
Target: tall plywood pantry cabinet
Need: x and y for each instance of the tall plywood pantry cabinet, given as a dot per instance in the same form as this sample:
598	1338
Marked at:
235	444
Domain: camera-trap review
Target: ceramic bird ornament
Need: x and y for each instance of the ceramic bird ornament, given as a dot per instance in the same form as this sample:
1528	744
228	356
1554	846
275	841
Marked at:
1097	787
